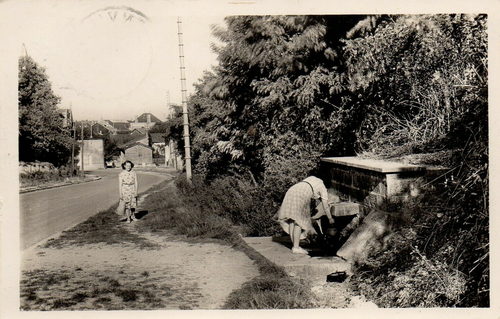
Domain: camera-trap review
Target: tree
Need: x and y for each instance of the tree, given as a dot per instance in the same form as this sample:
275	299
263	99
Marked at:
42	136
279	77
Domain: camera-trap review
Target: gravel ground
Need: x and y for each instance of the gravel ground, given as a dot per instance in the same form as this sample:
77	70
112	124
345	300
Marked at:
171	275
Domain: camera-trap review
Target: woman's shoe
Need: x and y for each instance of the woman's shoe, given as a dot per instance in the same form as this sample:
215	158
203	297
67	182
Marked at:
300	251
133	218
129	220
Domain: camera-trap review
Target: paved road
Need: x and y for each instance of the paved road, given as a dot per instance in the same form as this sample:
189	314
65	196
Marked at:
45	213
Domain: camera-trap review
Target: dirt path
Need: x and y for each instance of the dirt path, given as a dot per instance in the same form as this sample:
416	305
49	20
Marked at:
165	273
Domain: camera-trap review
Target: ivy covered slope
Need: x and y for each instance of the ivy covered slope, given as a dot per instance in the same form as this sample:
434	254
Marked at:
289	89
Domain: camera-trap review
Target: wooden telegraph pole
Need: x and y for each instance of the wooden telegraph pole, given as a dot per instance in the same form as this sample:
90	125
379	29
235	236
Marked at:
83	169
187	147
73	149
73	143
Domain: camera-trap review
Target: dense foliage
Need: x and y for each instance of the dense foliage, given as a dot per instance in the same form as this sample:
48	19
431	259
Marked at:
290	89
421	83
42	135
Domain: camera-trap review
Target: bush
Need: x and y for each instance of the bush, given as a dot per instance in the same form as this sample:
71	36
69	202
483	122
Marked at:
440	256
268	292
235	199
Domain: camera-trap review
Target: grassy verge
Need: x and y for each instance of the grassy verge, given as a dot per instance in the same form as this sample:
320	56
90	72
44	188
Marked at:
273	289
123	291
168	213
100	228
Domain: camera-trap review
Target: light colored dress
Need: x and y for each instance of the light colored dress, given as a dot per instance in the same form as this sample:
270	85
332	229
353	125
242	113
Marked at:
128	188
296	206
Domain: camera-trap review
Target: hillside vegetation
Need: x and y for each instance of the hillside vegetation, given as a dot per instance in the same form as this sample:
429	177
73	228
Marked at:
290	89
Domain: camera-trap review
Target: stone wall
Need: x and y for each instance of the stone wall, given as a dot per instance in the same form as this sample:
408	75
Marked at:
371	183
139	155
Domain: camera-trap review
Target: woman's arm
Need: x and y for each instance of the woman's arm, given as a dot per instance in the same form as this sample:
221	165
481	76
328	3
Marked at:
324	201
326	207
120	185
136	184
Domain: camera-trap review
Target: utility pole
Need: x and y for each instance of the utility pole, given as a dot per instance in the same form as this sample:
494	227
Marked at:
73	151
74	141
167	140
83	169
187	147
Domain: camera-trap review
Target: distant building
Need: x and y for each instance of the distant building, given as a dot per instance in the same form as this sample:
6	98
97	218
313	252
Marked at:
157	143
121	126
142	139
93	155
145	120
99	130
139	154
138	132
67	116
172	157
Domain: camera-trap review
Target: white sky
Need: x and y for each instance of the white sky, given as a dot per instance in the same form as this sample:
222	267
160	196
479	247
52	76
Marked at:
114	67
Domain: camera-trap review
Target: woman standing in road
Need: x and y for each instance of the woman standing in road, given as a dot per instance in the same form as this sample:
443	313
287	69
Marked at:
295	212
128	190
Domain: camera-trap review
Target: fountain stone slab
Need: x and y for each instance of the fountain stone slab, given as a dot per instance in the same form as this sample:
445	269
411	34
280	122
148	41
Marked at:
313	269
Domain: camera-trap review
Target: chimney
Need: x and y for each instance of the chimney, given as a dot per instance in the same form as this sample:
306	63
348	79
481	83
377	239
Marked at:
149	118
137	119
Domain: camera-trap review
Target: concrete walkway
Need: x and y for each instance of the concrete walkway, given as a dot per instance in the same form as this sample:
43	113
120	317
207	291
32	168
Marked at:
313	268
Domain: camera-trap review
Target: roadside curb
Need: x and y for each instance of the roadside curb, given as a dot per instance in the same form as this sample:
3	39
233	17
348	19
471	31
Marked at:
38	188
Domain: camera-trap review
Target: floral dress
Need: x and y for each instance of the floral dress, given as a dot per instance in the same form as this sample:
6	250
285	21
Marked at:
296	206
128	188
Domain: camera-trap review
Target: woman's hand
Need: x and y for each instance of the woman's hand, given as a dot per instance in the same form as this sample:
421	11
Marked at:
331	221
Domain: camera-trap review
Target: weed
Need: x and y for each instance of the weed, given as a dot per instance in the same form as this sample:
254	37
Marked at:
62	303
102	300
127	295
79	297
55	279
30	294
113	283
145	273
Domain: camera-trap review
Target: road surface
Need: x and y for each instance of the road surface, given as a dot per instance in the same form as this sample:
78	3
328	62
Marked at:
46	212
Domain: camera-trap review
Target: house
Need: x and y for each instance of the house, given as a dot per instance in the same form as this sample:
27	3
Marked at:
157	143
67	116
120	126
138	132
145	120
157	140
93	155
139	154
142	139
172	157
99	130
